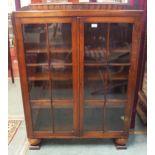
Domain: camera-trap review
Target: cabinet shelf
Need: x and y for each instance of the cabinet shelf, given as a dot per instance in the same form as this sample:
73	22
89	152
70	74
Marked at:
52	50
55	76
69	103
36	64
56	103
56	64
68	50
96	76
68	76
104	64
102	56
70	64
112	50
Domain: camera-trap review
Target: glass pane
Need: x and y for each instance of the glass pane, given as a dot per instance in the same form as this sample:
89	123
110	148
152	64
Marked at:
36	58
93	118
38	72
63	118
118	72
106	69
60	40
62	87
117	89
39	90
114	118
42	119
95	42
118	82
120	43
34	36
94	82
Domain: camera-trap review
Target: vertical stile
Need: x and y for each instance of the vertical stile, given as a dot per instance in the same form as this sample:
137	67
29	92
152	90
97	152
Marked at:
78	68
81	74
75	77
50	77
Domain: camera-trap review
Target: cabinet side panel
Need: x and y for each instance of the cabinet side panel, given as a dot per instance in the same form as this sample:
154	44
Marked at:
133	70
23	75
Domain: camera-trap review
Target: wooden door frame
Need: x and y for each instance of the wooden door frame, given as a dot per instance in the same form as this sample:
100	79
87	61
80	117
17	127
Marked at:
23	74
136	21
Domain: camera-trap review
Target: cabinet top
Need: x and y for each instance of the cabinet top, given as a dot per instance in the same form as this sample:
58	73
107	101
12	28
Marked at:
75	5
77	9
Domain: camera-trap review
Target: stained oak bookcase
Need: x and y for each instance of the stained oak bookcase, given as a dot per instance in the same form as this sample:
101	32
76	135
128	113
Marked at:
78	69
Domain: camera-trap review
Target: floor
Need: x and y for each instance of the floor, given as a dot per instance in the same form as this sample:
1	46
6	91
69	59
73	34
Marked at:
15	100
19	145
91	147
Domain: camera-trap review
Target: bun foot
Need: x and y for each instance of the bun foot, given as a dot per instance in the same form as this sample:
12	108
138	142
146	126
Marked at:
34	144
120	143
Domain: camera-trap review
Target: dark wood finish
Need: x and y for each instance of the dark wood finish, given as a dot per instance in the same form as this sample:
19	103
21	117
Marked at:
120	143
78	71
81	75
84	5
80	13
34	141
34	144
133	70
92	134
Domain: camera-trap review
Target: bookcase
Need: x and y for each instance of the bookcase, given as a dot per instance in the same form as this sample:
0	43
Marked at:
78	69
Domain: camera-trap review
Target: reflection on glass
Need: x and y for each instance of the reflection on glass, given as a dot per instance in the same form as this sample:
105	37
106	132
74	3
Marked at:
94	82
59	35
60	40
34	58
48	60
60	43
95	42
39	90
117	89
118	72
107	48
117	82
38	72
120	43
62	81
34	36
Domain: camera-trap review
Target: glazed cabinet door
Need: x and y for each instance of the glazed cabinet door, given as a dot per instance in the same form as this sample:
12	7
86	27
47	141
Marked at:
50	60
105	60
